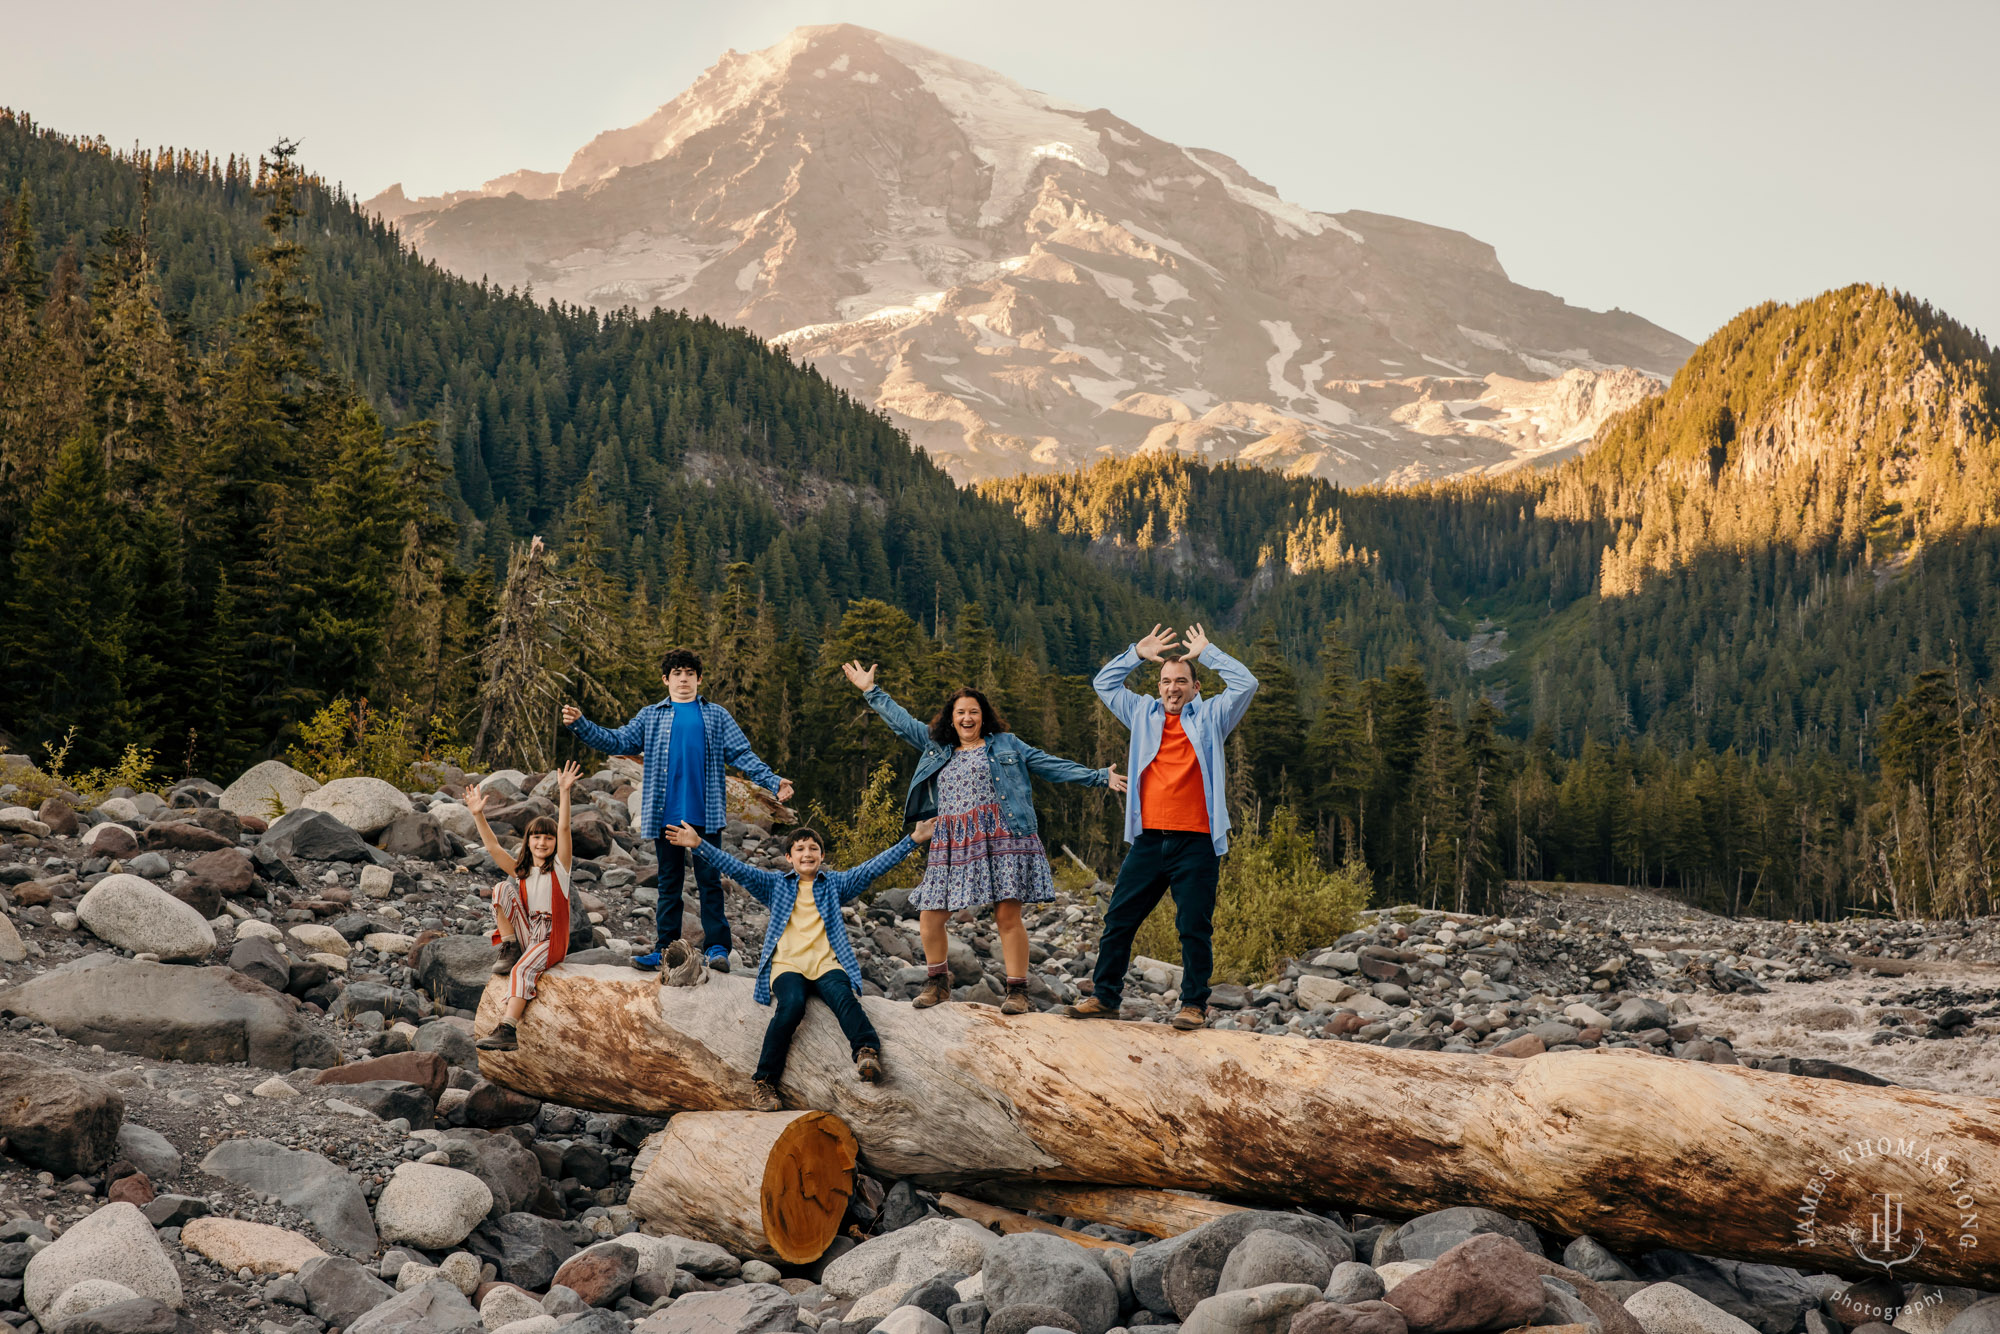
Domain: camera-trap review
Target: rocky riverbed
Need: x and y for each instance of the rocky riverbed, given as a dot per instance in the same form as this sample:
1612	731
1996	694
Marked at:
237	1086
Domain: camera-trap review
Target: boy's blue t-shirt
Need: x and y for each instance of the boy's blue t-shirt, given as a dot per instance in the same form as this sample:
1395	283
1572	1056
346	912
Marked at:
687	768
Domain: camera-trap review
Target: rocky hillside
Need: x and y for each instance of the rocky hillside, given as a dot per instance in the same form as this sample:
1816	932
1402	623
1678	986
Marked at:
1025	284
238	1092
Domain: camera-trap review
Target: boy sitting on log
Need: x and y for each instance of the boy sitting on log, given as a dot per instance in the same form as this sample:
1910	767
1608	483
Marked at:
806	944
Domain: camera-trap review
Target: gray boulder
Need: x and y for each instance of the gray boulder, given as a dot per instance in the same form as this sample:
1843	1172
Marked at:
340	1291
1354	1282
418	835
135	914
753	1308
1262	1310
115	1243
330	1198
1588	1256
1770	1298
1036	1269
260	959
1979	1318
524	1248
208	1015
1638	1014
510	1170
1266	1257
141	1315
264	787
313	836
365	805
451	1039
435	1307
1669	1308
1564	1306
1194	1270
149	1151
1428	1236
455	969
1023	1318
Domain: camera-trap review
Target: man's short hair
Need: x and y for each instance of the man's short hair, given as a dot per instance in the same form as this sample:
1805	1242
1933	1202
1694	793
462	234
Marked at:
680	657
1193	676
800	835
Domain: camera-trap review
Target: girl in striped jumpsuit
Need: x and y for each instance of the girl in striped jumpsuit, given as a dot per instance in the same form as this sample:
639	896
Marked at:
532	907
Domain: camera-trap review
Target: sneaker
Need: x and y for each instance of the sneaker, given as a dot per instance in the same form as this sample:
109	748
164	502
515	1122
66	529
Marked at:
718	958
868	1065
510	954
1017	999
1190	1017
502	1038
937	990
1090	1007
646	963
683	966
764	1096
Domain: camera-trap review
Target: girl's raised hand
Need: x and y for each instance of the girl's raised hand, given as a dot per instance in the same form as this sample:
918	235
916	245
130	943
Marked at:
566	776
1119	782
861	680
475	800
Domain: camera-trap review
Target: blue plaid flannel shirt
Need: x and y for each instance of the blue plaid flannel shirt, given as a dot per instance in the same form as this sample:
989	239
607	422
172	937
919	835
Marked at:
779	891
651	733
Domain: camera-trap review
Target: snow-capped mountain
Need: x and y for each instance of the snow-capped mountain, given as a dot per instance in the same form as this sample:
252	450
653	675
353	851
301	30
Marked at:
1025	284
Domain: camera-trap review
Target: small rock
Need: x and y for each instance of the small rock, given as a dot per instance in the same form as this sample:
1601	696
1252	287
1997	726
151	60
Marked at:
1263	1310
1669	1308
135	914
431	1206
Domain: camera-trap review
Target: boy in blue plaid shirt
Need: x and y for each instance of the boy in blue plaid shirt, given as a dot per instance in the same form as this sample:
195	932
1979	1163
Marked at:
686	741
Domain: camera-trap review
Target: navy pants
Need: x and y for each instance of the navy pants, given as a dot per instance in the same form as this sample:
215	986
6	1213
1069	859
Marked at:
707	883
1158	861
789	993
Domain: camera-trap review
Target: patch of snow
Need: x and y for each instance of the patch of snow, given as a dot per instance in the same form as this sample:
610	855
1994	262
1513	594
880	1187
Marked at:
746	277
1011	128
863	76
1286	214
839	66
1098	357
1104	393
1121	140
1287	343
1121	290
988	336
1491	342
1457	370
1167	290
965	386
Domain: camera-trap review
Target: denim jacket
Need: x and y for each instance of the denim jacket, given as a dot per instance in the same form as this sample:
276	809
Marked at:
1011	758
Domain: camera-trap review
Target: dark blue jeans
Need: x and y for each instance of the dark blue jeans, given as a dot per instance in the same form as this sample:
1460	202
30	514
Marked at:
1159	860
789	993
707	883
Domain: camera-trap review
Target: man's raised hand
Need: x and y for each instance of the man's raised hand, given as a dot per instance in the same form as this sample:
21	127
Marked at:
683	835
1197	641
862	680
1154	647
570	713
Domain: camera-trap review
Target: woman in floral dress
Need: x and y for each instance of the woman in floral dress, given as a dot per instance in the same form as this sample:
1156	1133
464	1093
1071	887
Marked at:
973	776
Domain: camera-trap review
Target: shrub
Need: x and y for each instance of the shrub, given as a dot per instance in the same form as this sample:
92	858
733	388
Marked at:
33	785
1274	901
353	740
877	824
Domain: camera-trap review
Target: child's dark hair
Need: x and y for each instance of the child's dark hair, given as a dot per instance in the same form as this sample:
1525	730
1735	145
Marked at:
524	861
990	720
680	657
800	835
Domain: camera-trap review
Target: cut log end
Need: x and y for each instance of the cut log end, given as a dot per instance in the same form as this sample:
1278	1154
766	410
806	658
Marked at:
770	1184
808	1180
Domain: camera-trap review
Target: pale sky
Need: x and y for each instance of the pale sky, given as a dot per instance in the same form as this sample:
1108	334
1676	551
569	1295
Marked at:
1682	160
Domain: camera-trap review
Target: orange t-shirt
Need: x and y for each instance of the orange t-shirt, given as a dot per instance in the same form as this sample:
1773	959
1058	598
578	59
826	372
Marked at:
1171	795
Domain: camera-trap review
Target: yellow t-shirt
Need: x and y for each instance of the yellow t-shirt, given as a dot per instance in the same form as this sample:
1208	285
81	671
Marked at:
804	948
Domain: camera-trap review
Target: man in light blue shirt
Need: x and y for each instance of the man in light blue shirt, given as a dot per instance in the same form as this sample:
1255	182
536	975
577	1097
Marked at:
1176	814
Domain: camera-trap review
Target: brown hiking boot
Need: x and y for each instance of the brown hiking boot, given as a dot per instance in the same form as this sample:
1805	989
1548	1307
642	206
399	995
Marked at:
868	1065
510	954
1190	1017
502	1038
1017	999
1092	1008
936	991
764	1096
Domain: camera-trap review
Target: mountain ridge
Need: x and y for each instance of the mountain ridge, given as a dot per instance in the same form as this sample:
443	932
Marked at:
1026	284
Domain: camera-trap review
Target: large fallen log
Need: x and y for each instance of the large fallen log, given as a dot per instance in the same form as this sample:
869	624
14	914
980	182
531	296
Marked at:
1635	1149
774	1185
